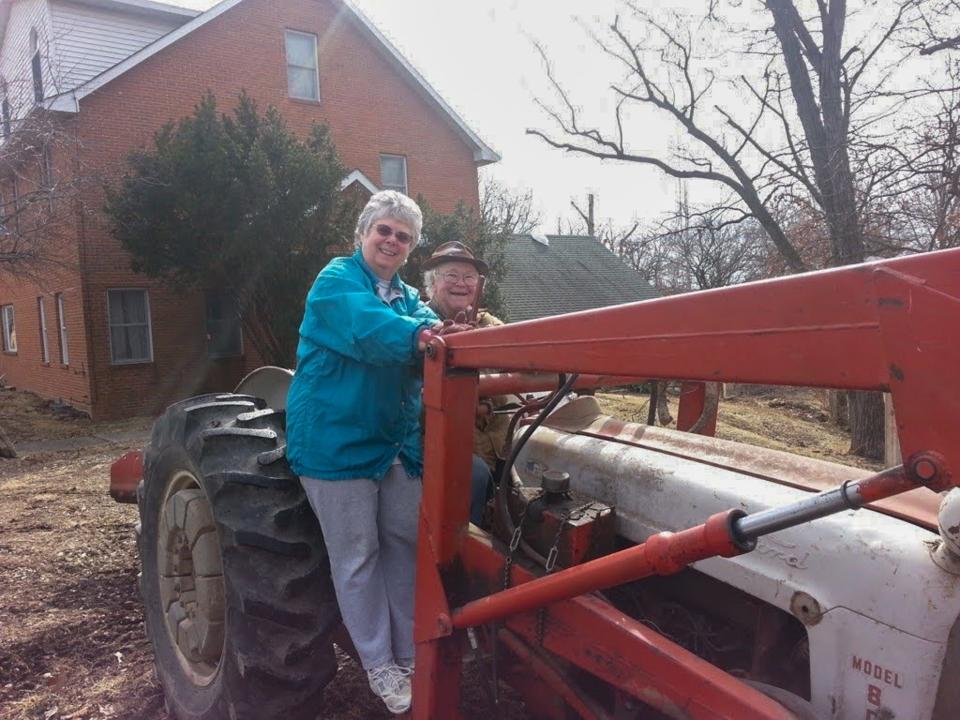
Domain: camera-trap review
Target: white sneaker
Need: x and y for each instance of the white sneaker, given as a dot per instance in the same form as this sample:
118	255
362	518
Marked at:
408	664
391	683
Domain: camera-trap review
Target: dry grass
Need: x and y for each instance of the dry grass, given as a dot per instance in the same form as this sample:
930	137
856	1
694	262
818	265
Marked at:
790	419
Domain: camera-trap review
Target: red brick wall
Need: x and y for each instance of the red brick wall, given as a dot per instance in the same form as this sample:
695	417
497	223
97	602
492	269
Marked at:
370	107
25	369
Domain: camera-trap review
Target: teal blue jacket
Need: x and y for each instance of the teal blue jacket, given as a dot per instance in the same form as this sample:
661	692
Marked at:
354	402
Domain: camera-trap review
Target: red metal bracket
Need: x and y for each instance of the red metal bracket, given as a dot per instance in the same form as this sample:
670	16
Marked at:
920	329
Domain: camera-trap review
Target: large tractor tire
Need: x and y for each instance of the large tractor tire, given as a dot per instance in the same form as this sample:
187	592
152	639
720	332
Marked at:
236	583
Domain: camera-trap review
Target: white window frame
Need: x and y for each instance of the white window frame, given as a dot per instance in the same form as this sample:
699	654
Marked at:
62	329
403	160
9	340
110	326
315	68
42	317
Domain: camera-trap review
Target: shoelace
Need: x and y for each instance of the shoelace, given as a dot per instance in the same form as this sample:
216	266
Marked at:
390	677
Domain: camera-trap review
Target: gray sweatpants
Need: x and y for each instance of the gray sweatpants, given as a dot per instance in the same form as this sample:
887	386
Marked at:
370	530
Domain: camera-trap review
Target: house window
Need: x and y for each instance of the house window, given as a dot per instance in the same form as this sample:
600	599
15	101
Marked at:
224	336
62	328
129	317
393	173
9	329
303	77
35	65
42	315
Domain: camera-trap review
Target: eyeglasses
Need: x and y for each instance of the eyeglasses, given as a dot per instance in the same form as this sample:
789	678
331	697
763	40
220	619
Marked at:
386	231
452	278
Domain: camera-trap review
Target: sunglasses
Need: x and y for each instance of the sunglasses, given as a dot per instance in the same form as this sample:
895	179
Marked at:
402	237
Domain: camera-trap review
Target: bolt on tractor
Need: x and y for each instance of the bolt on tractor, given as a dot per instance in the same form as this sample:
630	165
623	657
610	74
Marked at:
626	571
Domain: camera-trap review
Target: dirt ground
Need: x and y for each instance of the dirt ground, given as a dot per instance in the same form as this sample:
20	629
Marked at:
72	645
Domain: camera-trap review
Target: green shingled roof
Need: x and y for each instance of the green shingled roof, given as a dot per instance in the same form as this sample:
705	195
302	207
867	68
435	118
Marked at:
571	273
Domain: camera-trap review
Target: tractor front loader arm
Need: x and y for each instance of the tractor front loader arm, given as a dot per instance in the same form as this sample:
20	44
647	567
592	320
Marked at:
888	326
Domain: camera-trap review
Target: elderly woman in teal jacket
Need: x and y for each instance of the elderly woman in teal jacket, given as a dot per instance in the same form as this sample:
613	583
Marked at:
353	434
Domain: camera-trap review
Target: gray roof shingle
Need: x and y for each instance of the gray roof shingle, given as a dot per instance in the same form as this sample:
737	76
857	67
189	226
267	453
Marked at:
572	273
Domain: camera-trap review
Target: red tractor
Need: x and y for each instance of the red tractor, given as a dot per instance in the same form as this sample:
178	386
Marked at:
628	571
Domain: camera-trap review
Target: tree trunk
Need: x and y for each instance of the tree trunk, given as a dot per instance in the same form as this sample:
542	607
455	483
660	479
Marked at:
866	424
839	414
711	403
663	408
6	447
824	108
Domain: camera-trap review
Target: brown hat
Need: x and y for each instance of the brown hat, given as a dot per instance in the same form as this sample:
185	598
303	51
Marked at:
454	251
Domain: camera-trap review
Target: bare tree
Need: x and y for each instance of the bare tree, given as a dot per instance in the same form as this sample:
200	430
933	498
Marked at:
41	181
613	236
693	249
937	31
587	215
505	211
925	214
40	175
35	201
35	212
803	128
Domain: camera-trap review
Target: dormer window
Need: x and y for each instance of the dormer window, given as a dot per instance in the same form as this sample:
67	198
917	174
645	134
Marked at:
35	65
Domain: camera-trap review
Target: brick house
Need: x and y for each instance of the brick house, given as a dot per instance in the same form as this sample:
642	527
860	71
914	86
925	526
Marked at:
103	75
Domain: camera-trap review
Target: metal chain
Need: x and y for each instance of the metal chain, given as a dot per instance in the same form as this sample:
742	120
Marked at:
567	517
507	565
514	544
549	567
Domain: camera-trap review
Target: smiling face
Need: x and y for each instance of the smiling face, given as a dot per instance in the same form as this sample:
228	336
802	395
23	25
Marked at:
454	288
385	253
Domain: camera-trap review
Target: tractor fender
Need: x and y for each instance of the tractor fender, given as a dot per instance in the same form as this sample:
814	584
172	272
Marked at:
270	383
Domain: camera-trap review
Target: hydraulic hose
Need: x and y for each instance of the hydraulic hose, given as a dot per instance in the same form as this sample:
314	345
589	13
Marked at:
506	478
